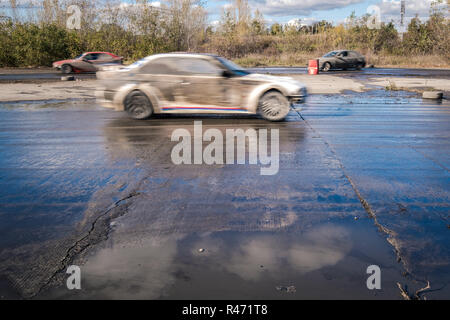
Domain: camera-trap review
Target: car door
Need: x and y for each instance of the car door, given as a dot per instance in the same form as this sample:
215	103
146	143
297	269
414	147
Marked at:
358	59
200	82
353	59
162	77
87	62
343	60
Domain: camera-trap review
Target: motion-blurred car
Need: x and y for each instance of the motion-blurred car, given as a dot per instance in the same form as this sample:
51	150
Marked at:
87	62
196	83
342	59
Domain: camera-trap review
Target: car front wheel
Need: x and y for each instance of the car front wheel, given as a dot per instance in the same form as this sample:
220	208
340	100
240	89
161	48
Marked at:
274	106
138	106
66	69
326	67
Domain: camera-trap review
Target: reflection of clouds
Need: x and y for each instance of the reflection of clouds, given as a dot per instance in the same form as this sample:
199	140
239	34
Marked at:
145	269
131	271
262	250
324	246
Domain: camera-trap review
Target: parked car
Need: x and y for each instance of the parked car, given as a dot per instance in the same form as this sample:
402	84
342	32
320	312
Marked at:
196	83
87	62
342	59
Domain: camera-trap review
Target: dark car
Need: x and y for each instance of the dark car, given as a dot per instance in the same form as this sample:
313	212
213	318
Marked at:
88	62
342	59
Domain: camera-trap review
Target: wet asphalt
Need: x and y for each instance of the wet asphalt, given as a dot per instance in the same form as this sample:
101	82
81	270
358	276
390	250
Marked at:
363	180
48	74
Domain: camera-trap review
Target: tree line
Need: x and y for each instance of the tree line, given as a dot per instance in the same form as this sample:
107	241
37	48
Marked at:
36	33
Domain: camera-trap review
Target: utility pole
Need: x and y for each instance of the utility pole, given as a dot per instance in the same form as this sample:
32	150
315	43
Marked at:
402	18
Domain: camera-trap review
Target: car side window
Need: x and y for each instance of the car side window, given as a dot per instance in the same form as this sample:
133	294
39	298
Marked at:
344	54
91	56
104	57
193	66
159	66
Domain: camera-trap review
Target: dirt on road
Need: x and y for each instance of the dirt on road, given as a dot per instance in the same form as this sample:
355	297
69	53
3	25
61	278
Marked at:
321	84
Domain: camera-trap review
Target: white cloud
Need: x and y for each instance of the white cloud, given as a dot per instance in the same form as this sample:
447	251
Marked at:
390	10
298	23
413	7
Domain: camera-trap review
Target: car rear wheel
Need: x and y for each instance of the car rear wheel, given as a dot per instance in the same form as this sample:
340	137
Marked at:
326	67
274	106
138	106
66	69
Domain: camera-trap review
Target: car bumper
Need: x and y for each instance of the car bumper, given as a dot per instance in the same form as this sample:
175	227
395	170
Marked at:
297	99
299	96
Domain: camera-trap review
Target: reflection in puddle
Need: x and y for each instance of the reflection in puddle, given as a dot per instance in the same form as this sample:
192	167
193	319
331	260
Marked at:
318	263
135	271
324	246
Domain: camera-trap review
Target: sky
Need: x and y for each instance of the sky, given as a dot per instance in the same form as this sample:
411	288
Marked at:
282	11
308	11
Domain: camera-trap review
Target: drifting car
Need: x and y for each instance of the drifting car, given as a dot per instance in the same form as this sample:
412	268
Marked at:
88	62
342	59
196	83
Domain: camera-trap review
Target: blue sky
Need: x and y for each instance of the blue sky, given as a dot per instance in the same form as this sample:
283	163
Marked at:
332	10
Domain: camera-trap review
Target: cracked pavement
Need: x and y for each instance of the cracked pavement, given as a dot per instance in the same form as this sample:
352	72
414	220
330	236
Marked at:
363	180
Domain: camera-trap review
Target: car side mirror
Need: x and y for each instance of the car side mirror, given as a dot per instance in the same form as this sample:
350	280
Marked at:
227	74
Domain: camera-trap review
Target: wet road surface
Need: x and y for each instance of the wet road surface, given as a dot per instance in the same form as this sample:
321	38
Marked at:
36	75
363	180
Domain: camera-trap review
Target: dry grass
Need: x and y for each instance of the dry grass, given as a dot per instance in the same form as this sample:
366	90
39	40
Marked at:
380	61
423	61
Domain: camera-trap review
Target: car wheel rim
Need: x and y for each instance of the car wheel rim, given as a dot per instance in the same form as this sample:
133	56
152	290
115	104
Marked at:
138	106
271	107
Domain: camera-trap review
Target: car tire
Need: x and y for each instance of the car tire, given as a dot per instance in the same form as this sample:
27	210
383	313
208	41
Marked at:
273	106
66	69
326	67
138	106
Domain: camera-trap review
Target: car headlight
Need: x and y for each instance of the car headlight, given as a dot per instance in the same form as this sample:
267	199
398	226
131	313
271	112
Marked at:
303	92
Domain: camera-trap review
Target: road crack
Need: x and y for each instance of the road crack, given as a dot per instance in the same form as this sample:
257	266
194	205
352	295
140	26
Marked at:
92	237
391	239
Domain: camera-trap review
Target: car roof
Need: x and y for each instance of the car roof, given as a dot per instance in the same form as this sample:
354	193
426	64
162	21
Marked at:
99	52
180	54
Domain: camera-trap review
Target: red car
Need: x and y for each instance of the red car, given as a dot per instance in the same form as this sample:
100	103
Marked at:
87	62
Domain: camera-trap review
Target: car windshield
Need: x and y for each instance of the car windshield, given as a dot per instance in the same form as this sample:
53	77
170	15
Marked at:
237	70
331	54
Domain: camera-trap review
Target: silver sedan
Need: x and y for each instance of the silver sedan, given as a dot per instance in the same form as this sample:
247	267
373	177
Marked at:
196	83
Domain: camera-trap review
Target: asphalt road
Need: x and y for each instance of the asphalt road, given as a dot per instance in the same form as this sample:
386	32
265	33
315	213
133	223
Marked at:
47	74
363	180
